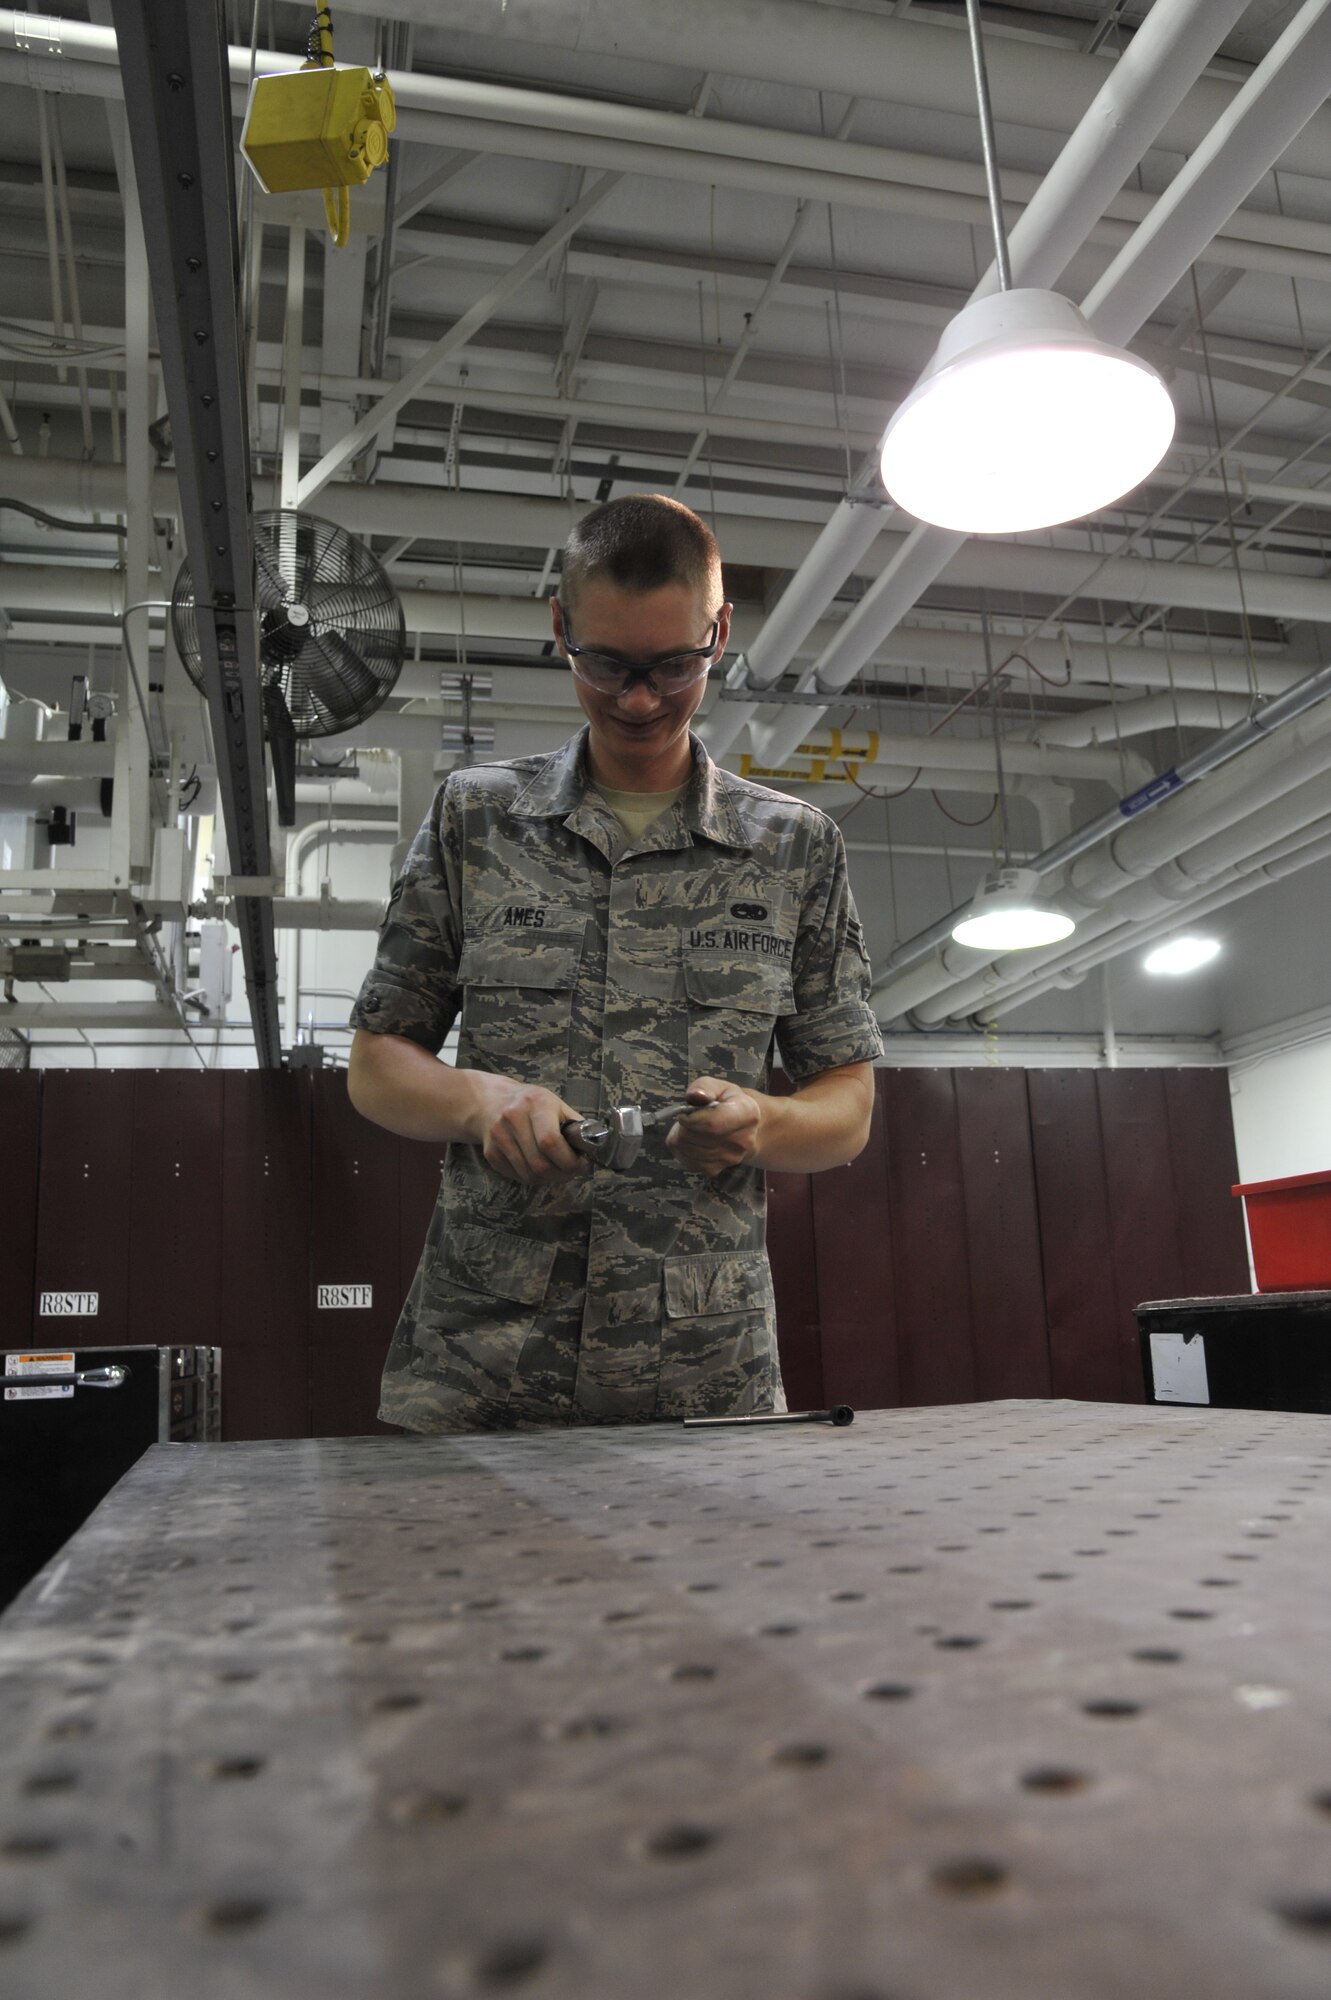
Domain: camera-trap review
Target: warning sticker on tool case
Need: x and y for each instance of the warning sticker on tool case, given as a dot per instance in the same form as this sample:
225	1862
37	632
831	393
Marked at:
39	1364
38	1392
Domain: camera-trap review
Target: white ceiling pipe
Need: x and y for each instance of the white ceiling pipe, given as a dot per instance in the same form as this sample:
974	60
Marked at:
1289	859
1300	753
82	795
1268	771
492	117
960	656
901	60
1128	111
55	758
951	754
1252	134
970	754
313	913
849	534
522	521
1136	718
1177	882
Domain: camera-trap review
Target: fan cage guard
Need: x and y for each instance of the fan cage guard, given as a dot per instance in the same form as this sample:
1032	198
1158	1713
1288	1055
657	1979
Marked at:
14	1050
332	636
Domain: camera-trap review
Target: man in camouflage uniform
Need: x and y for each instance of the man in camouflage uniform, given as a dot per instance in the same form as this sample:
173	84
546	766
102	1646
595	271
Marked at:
620	923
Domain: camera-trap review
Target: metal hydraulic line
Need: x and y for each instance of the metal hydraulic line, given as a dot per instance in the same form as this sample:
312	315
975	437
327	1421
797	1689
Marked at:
174	65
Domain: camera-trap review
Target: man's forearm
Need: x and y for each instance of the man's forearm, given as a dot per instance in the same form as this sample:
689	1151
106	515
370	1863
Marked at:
397	1084
824	1124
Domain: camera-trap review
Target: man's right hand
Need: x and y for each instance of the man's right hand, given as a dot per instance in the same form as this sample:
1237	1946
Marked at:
401	1086
519	1135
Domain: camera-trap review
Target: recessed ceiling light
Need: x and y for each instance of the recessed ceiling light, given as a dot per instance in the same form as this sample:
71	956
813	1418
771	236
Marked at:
1181	954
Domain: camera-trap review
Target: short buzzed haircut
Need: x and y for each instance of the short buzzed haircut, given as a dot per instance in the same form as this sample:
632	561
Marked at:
638	544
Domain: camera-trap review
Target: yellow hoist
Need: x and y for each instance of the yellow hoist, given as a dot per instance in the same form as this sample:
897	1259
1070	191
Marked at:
319	127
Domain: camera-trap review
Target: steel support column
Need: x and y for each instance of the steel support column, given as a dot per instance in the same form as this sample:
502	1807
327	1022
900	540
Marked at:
174	64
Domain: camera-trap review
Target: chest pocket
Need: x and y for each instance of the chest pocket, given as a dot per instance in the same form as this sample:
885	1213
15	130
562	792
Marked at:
733	1012
517	1000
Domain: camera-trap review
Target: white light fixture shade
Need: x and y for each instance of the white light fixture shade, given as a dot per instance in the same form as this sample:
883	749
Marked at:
1023	419
1009	915
1181	954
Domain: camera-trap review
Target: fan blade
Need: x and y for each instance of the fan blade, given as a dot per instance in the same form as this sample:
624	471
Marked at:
272	584
341	681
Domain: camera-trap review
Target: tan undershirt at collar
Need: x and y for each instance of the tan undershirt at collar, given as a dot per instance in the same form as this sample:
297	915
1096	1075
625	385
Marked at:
635	811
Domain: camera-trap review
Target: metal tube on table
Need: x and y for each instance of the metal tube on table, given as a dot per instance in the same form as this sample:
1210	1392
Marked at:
840	1414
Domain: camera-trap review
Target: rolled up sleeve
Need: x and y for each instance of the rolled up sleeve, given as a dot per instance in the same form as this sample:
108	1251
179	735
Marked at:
833	1023
412	987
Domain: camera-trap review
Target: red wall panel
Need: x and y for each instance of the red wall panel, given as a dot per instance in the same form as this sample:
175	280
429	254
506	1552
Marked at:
175	1218
1139	1185
355	1239
420	1164
83	1203
928	1222
1010	1337
856	1292
1213	1254
265	1221
20	1154
1081	1303
991	1240
792	1254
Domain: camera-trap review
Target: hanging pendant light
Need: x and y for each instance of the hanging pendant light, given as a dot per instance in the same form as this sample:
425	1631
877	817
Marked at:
1008	914
1024	418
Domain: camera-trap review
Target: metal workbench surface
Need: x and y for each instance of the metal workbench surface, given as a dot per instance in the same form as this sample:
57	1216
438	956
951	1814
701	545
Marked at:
1028	1701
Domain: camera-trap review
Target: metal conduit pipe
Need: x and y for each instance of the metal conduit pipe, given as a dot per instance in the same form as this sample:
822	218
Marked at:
1131	105
916	970
1136	718
1177	881
1253	133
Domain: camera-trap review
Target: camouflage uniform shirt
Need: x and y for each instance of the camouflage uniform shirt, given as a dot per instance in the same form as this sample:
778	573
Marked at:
611	972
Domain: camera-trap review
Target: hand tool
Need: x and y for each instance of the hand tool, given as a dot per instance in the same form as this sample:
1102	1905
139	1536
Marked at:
840	1414
614	1138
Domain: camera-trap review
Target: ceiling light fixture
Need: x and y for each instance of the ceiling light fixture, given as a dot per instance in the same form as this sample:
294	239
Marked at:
1023	418
1008	914
1181	954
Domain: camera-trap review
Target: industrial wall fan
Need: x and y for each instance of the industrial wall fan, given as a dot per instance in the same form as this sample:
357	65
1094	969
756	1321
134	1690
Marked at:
331	636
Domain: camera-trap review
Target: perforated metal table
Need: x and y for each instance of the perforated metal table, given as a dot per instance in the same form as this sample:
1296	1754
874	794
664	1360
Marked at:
1001	1700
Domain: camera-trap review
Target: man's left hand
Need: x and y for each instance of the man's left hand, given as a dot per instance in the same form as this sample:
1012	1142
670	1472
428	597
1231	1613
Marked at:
723	1134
